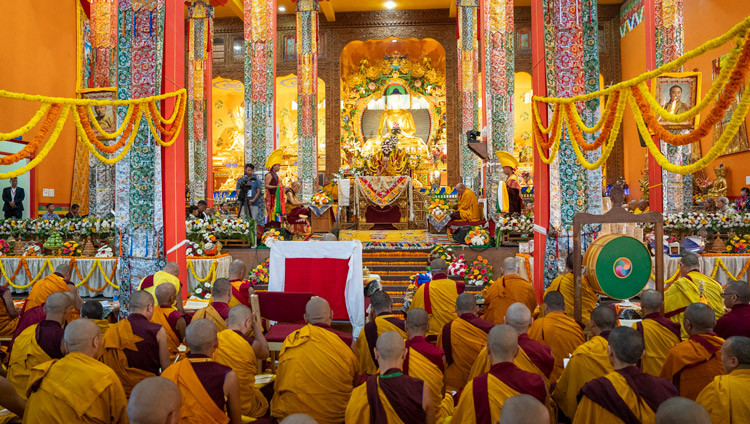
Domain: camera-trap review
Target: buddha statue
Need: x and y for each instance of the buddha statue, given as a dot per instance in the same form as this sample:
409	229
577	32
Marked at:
719	187
390	160
407	139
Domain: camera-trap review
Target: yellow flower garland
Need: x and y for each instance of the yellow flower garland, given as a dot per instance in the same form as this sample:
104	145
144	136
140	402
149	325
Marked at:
211	272
29	125
609	144
602	120
98	127
555	140
93	149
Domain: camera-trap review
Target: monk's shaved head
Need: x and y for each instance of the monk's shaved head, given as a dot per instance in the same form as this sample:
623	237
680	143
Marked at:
237	270
172	268
604	317
466	303
735	353
200	336
627	344
554	302
298	419
164	294
739	288
518	316
222	289
140	300
510	265
155	400
523	409
92	309
64	270
438	264
651	301
701	318
79	336
502	343
318	311
57	305
680	410
238	315
390	346
417	322
381	302
690	261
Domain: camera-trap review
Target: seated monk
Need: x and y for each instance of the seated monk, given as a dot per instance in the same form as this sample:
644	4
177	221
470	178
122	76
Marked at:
295	209
210	391
218	310
241	353
384	320
76	388
8	313
680	410
317	369
169	274
625	394
507	290
171	320
485	395
155	400
565	284
468	207
39	343
558	331
691	287
391	397
737	321
438	297
524	409
426	362
462	339
136	348
241	288
93	310
693	363
725	398
659	333
589	361
59	282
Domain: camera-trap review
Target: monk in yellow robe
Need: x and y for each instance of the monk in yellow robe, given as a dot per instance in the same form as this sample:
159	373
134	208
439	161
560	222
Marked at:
558	331
468	207
693	363
589	361
136	348
169	274
680	410
210	391
59	282
625	394
8	314
154	400
426	362
483	397
438	297
171	320
241	353
39	343
659	333
218	310
565	284
507	290
76	388
391	397
241	288
94	311
524	409
692	287
726	398
384	320
462	339
317	369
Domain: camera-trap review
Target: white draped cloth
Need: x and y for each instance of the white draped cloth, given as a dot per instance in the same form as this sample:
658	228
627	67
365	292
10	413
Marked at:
202	267
734	264
96	281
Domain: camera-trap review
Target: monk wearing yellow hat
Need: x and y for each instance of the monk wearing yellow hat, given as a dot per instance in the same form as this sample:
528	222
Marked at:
509	196
274	188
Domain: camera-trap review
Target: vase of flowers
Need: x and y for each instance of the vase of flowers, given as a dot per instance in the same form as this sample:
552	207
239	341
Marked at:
480	272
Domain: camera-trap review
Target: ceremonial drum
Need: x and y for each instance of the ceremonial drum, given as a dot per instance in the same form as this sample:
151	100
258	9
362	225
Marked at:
610	266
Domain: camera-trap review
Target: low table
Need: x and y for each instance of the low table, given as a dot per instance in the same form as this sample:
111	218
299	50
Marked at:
322	223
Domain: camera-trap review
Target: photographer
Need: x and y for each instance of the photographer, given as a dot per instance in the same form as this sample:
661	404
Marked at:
249	188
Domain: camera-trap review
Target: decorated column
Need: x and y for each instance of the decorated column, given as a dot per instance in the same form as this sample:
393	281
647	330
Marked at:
307	94
499	65
468	86
200	33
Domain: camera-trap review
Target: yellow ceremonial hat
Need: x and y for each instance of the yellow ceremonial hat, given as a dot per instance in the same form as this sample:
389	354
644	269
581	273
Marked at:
506	159
274	158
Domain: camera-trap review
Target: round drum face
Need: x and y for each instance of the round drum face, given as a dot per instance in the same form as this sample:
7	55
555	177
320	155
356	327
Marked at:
622	267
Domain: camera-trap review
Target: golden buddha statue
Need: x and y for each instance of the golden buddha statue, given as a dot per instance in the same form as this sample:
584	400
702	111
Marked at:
390	160
407	139
719	188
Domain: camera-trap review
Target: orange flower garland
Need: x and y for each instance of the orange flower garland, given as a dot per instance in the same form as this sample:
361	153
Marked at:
545	141
91	134
177	118
606	130
52	116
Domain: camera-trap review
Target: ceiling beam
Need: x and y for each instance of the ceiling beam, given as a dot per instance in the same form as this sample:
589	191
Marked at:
327	7
237	7
452	9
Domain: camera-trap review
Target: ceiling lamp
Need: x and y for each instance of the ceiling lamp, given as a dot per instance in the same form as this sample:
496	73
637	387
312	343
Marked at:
390	4
282	8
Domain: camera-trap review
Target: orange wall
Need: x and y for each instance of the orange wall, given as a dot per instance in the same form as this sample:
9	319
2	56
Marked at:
38	56
633	60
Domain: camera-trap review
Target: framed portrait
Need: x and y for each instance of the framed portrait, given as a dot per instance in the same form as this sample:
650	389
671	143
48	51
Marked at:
678	92
105	115
290	47
739	143
523	40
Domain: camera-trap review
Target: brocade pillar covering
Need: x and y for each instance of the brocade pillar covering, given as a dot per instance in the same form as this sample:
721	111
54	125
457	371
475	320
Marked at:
307	94
468	87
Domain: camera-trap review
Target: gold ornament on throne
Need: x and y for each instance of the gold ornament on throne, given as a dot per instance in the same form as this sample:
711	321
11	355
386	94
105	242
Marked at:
390	160
719	188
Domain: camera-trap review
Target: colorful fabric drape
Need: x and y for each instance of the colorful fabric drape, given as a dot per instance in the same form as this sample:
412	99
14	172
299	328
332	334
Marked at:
468	85
307	94
79	193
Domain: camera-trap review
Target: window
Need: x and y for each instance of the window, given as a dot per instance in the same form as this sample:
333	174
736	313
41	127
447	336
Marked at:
218	49
238	48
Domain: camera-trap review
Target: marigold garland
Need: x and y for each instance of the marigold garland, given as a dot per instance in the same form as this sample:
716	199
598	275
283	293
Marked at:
29	149
29	125
93	148
89	116
91	136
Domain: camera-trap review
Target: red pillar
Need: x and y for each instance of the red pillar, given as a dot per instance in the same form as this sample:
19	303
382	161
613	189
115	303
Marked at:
173	157
541	170
655	192
209	87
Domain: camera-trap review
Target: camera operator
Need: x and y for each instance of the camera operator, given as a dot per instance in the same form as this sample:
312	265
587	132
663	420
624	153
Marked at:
249	188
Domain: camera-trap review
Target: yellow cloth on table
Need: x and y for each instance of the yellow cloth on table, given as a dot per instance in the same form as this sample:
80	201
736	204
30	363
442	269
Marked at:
25	355
561	333
197	406
211	313
236	353
119	337
466	342
694	288
691	367
75	389
173	339
366	363
315	375
498	392
590	412
565	284
422	368
589	361
41	290
726	399
443	294
504	292
658	341
468	206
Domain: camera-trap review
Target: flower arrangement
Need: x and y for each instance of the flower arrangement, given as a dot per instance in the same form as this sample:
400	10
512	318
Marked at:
438	207
692	222
259	274
70	248
443	252
270	236
104	251
222	229
202	291
321	197
458	267
4	248
738	244
66	227
32	249
193	249
478	236
522	224
479	273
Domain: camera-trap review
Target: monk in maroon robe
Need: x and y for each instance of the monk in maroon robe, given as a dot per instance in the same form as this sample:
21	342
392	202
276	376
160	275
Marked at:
737	321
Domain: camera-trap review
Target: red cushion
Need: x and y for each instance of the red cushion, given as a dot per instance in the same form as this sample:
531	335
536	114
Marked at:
279	332
283	306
